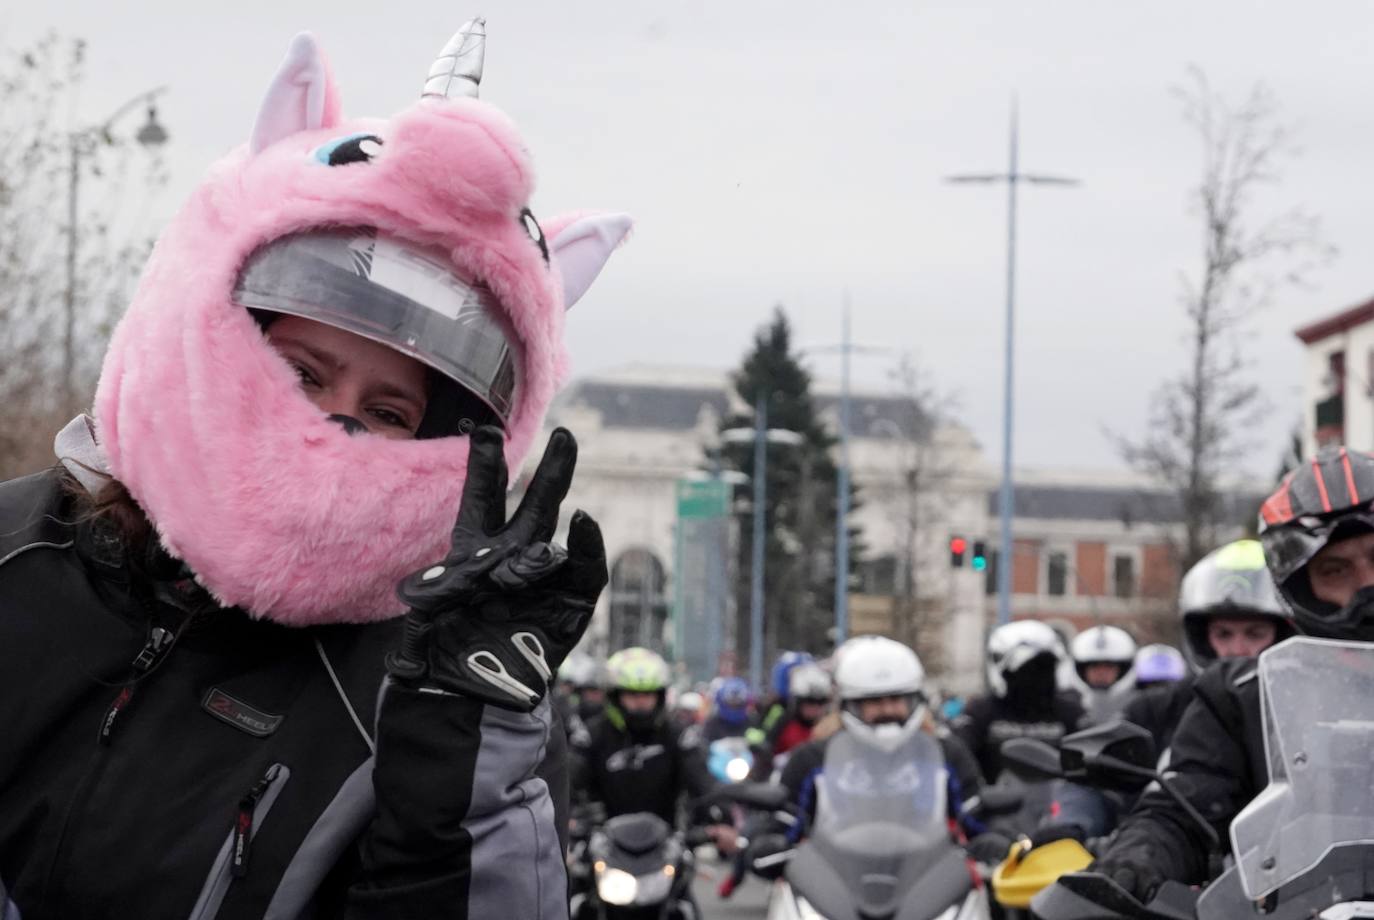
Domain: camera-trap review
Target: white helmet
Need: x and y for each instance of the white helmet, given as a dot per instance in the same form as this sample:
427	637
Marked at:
690	702
1012	645
579	669
873	666
808	682
1104	645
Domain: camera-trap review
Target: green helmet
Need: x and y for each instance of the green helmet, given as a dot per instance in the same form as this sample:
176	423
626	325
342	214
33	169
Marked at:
638	670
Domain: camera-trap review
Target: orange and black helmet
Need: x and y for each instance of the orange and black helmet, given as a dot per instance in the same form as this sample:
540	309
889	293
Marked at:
1327	499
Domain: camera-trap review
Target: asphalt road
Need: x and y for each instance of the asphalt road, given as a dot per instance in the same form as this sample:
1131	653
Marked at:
749	902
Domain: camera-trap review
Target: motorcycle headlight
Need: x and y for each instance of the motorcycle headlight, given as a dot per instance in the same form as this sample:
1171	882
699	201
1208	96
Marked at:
654	886
737	770
616	886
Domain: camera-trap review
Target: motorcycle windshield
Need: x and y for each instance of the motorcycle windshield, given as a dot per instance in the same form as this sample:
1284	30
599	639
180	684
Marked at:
871	801
1317	700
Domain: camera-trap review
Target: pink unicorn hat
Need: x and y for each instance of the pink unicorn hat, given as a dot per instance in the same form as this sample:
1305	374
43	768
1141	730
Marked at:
275	508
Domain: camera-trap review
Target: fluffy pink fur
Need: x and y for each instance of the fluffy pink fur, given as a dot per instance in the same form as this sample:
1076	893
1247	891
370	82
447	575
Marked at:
274	508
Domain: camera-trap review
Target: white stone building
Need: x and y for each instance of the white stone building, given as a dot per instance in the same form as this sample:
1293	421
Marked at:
1338	386
1090	546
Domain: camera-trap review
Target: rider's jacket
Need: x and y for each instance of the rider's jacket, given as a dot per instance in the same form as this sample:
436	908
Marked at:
161	757
1160	708
639	771
988	721
1216	760
807	762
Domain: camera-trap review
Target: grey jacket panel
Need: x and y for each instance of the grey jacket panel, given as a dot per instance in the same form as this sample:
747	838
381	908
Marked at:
337	828
512	822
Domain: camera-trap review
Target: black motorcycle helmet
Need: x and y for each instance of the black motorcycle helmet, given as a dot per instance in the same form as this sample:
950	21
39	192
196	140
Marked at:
1326	500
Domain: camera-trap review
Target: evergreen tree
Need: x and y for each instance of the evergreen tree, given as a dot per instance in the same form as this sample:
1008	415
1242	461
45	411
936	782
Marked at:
799	516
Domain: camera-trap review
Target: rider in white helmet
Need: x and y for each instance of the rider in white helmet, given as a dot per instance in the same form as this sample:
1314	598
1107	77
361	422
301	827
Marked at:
880	685
1104	658
1024	700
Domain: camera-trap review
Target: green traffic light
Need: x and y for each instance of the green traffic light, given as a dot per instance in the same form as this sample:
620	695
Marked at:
979	563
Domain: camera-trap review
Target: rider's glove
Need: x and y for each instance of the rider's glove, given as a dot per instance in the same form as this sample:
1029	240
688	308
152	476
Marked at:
1133	871
495	619
1052	832
989	848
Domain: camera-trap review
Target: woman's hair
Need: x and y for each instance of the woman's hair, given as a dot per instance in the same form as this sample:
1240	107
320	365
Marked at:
112	506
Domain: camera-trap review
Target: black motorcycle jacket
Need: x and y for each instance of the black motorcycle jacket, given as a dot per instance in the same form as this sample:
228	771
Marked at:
639	771
1159	709
987	721
1216	760
161	757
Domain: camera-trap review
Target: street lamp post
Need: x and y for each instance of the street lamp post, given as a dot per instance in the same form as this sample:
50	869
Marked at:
79	142
761	435
1012	177
845	349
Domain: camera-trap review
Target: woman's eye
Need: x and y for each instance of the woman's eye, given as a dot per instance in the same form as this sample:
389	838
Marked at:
394	419
305	374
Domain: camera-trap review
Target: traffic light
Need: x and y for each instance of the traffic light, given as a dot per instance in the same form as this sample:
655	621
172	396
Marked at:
957	546
980	555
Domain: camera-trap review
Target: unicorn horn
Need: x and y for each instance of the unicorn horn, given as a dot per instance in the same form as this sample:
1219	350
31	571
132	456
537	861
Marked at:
457	71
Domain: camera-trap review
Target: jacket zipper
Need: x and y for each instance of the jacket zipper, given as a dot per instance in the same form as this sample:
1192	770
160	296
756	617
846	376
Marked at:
243	824
154	650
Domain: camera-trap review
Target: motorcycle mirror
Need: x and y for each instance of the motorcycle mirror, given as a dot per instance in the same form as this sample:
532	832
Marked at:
764	796
992	801
1118	754
1031	758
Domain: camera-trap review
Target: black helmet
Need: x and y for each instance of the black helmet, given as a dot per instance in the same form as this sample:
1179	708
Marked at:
1324	501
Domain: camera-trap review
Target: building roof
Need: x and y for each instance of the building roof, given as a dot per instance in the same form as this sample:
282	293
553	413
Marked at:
1335	325
1128	505
672	400
640	406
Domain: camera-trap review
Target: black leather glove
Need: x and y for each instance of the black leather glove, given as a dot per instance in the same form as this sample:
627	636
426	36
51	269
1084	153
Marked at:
495	619
1052	832
989	848
1132	871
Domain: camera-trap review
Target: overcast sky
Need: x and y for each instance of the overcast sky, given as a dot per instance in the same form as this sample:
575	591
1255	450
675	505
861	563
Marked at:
787	152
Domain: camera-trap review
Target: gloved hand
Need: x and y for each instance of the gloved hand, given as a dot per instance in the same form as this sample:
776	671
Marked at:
1137	875
495	619
1052	832
989	848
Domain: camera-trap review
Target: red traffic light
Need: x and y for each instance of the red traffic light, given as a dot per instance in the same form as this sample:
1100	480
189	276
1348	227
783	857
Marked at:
958	545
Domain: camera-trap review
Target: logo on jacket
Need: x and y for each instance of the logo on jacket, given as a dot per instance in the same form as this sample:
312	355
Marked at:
633	758
239	714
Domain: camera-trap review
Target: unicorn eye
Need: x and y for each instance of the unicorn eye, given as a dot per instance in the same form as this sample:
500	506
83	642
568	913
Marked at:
536	233
355	148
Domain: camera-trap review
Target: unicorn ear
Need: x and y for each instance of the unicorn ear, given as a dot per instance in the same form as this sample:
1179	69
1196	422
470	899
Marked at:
582	248
302	96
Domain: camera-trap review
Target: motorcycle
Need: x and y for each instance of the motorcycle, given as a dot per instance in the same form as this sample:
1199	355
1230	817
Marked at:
1304	847
880	847
730	760
636	867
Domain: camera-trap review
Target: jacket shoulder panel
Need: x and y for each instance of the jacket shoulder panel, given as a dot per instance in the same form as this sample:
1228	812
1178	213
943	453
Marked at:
29	513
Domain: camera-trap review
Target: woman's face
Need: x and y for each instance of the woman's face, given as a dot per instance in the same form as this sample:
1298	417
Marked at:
346	374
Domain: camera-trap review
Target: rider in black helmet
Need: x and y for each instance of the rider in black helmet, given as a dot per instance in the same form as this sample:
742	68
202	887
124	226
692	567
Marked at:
1317	530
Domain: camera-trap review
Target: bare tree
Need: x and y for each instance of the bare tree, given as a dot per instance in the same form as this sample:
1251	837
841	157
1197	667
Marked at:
40	84
1199	419
918	509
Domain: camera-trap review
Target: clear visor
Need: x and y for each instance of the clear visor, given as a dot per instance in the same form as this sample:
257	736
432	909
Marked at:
404	296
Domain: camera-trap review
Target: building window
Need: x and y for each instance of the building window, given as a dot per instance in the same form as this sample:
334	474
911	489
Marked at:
1123	576
1057	574
639	604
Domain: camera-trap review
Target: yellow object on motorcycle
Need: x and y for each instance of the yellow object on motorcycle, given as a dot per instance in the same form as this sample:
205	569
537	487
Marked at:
1026	870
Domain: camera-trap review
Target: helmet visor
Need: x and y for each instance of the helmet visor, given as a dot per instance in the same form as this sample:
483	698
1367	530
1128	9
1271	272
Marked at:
404	296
